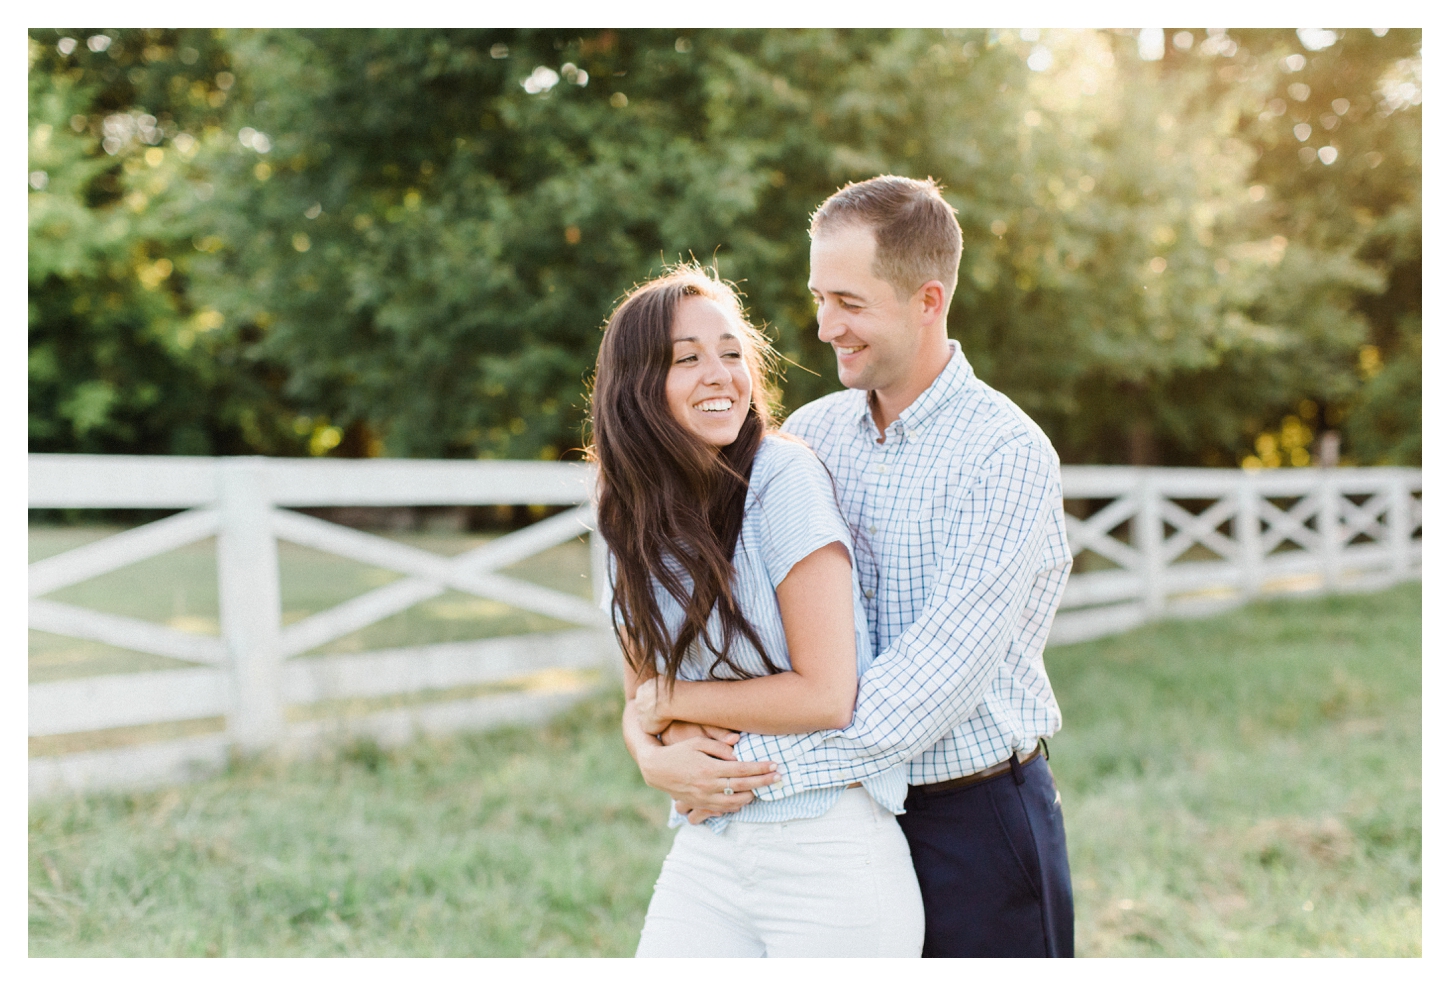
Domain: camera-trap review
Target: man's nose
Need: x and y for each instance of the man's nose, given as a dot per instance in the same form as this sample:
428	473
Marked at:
828	324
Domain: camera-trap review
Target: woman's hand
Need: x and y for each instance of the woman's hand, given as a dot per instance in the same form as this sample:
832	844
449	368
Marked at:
696	772
695	765
677	732
649	706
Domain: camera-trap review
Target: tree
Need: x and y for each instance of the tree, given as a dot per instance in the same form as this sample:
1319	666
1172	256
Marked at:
413	237
121	358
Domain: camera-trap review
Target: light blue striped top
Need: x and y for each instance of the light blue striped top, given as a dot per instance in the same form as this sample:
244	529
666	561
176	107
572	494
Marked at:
790	511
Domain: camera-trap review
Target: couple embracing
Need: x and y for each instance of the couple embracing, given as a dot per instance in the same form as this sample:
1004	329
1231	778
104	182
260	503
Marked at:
833	632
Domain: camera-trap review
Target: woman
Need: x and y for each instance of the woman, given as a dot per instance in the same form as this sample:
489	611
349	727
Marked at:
734	595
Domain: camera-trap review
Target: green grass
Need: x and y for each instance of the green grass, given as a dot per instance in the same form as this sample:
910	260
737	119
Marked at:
1248	784
1217	774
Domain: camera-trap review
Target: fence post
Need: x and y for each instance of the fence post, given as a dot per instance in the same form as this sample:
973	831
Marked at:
598	562
1329	528
251	603
599	575
1399	533
1148	539
1251	545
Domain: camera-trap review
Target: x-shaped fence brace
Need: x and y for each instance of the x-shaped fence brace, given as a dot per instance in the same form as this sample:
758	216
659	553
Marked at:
430	575
1200	528
1093	533
1277	524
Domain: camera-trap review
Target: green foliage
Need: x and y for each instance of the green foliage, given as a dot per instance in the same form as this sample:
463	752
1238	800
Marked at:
405	242
1216	775
122	358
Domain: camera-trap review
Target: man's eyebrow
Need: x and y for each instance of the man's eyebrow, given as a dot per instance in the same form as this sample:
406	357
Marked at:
839	294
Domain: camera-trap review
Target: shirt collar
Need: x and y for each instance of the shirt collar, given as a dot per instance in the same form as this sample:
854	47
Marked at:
954	378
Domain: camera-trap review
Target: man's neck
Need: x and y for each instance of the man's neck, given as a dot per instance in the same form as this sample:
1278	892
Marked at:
887	403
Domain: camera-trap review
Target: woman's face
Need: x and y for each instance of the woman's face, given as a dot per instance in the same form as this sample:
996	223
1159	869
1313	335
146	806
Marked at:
708	387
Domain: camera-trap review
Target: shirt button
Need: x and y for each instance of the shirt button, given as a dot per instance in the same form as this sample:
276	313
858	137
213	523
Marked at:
880	468
870	593
872	528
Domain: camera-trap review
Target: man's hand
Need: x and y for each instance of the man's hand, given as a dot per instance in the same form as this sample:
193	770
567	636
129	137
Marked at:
696	815
648	708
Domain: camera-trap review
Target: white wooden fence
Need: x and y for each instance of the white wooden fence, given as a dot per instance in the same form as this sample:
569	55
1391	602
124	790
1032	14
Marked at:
1187	542
253	671
1149	543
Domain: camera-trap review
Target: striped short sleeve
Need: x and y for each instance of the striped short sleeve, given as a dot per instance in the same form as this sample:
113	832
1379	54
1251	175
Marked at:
798	509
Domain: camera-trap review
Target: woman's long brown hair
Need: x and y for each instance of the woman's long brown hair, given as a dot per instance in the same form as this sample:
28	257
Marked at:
668	504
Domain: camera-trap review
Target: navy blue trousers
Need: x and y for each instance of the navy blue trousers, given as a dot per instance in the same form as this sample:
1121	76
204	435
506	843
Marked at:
992	863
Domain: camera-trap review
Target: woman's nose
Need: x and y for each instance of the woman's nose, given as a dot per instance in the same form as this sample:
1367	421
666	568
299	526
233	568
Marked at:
716	371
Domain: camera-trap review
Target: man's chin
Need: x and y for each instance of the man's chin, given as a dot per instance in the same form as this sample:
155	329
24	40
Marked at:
852	379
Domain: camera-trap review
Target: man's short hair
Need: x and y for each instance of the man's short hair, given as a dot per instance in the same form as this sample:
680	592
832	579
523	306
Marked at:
918	238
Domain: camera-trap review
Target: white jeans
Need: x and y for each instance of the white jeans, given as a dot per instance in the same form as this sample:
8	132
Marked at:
838	885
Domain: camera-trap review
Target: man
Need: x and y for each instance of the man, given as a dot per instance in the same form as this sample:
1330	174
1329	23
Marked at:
955	497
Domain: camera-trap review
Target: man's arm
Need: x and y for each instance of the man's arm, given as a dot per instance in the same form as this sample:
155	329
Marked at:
932	677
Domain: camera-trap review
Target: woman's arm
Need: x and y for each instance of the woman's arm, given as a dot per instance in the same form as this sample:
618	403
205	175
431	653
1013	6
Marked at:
819	692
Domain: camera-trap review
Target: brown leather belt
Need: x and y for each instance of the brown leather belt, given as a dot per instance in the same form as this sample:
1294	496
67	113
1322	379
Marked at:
985	774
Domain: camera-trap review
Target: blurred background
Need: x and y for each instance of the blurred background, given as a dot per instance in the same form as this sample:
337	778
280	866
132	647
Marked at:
1183	247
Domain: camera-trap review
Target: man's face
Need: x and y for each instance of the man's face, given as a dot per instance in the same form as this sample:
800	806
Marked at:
858	313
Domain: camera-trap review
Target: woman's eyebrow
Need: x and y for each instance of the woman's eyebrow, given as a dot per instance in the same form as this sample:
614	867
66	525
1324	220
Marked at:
723	335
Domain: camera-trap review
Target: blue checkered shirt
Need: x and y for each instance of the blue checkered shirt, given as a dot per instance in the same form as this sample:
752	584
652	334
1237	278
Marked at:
962	553
790	511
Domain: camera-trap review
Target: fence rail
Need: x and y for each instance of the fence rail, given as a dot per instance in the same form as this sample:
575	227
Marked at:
1148	543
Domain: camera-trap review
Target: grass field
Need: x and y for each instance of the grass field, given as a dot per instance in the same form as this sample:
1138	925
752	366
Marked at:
1242	785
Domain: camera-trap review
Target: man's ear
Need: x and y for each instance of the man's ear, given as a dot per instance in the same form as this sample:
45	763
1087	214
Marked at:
931	300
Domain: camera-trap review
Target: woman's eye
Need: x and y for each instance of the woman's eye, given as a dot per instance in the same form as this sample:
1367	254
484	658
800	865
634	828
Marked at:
686	359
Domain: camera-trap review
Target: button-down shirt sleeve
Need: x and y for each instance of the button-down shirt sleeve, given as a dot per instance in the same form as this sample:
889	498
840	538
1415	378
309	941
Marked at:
931	677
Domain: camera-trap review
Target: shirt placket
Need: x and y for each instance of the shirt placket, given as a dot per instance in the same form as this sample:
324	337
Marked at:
883	481
868	570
